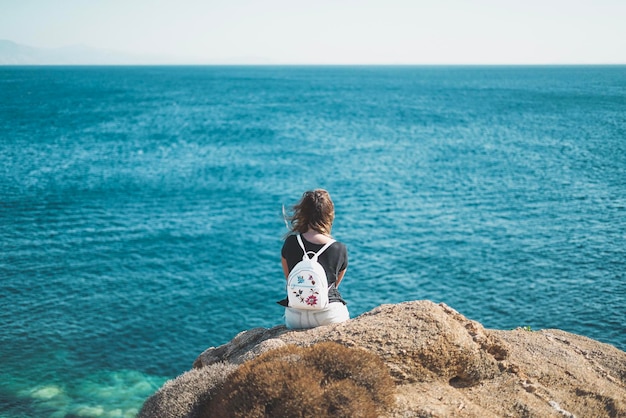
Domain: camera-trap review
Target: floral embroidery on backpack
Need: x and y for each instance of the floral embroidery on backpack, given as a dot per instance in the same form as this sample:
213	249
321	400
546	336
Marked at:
310	299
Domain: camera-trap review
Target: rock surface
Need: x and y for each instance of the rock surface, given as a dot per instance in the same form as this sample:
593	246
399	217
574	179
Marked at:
444	365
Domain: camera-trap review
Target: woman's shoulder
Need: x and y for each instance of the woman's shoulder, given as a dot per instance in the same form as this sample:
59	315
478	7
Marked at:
292	239
340	246
337	247
290	244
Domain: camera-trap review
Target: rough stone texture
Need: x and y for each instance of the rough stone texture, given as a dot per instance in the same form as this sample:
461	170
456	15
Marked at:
185	395
444	365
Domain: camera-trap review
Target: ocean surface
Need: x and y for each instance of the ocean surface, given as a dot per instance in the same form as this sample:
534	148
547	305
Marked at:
141	209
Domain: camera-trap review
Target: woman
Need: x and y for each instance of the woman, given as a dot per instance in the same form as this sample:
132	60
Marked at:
312	219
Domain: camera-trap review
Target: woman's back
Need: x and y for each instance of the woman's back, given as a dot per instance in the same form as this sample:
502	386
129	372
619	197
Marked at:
312	220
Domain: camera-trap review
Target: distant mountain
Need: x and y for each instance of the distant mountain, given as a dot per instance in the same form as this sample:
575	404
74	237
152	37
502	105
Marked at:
12	53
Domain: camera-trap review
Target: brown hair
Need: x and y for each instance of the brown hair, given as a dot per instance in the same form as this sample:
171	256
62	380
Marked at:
315	210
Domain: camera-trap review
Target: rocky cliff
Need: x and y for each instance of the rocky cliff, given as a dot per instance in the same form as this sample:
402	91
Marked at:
443	364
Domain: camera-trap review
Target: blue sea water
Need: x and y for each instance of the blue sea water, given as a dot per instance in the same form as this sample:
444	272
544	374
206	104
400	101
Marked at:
140	208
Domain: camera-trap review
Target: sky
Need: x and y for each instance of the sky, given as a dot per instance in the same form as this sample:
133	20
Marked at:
329	31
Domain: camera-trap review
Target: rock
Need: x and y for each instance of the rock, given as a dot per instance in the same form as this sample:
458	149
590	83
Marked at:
185	395
444	365
245	346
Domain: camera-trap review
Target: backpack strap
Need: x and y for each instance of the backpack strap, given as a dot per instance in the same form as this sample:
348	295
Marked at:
315	255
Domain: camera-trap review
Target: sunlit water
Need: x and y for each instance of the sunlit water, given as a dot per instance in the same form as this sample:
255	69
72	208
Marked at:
140	208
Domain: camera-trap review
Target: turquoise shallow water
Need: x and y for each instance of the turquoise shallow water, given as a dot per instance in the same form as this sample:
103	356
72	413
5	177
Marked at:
140	208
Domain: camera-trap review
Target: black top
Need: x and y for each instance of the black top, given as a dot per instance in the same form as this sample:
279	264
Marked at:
334	260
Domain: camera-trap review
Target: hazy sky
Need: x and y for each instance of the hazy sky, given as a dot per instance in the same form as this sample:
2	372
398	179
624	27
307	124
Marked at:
330	32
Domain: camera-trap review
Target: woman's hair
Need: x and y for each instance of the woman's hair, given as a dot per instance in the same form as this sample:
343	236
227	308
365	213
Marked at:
315	210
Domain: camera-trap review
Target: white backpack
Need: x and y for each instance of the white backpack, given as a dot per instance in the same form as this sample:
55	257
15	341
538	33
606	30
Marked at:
307	284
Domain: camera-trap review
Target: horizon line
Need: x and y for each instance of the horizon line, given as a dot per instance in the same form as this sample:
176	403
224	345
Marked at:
590	64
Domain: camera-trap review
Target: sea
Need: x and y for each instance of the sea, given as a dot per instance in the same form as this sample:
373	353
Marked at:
141	208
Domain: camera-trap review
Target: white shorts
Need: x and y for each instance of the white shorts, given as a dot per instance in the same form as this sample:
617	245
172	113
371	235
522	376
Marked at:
301	318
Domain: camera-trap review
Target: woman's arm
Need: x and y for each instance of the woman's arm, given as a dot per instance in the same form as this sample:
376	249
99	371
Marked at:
339	277
285	267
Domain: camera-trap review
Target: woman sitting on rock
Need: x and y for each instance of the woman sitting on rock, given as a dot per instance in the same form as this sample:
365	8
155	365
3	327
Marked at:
311	223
